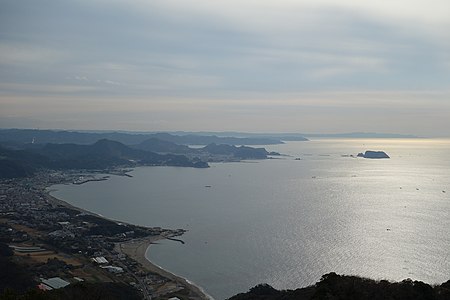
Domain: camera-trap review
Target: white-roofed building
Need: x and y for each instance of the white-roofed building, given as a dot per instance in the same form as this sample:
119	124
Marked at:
100	260
55	282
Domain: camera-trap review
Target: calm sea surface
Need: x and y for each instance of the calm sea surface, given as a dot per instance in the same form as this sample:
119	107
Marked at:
286	222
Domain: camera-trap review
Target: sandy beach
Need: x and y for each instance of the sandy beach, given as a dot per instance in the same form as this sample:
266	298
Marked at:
136	249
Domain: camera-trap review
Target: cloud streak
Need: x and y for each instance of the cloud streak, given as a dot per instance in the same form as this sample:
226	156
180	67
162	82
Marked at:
179	60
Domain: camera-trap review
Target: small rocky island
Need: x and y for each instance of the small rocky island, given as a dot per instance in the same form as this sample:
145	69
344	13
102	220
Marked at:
373	154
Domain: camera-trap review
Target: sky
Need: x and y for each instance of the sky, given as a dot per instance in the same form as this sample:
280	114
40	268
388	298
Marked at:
310	66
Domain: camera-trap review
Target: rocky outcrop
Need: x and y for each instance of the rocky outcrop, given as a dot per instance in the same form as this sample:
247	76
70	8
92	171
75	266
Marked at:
373	154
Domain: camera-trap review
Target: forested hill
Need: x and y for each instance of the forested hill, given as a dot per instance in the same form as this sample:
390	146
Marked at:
101	155
208	152
24	159
24	151
341	287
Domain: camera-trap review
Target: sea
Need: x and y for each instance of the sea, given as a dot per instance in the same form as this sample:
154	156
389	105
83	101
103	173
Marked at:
289	220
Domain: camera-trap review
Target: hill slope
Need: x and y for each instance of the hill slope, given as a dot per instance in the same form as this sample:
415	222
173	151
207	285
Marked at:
341	287
101	155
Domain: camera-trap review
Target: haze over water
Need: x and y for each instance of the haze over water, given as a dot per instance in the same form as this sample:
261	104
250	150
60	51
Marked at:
287	222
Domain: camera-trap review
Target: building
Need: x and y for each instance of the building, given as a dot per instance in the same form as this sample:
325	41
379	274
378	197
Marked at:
55	283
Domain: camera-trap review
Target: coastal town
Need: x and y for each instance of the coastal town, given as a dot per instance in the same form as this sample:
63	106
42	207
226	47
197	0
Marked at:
60	245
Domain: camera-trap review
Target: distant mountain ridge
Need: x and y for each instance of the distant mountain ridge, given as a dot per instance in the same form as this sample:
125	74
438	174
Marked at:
192	139
362	135
24	136
208	152
28	136
292	136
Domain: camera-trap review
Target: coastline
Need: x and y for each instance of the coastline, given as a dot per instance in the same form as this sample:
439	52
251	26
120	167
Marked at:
136	249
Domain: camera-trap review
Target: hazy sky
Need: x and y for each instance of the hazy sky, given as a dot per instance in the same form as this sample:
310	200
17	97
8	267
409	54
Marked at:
274	66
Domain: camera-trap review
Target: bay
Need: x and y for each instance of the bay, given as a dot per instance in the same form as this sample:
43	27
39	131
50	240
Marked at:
287	222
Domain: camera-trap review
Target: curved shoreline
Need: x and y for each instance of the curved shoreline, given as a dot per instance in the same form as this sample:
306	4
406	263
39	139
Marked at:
136	249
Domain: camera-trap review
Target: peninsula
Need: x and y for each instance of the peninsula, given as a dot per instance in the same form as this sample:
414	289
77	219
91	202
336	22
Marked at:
20	159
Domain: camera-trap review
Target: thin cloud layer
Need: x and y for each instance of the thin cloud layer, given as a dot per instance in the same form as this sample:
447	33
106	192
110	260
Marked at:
172	64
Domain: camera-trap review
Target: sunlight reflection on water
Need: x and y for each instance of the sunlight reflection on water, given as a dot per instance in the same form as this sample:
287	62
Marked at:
288	222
